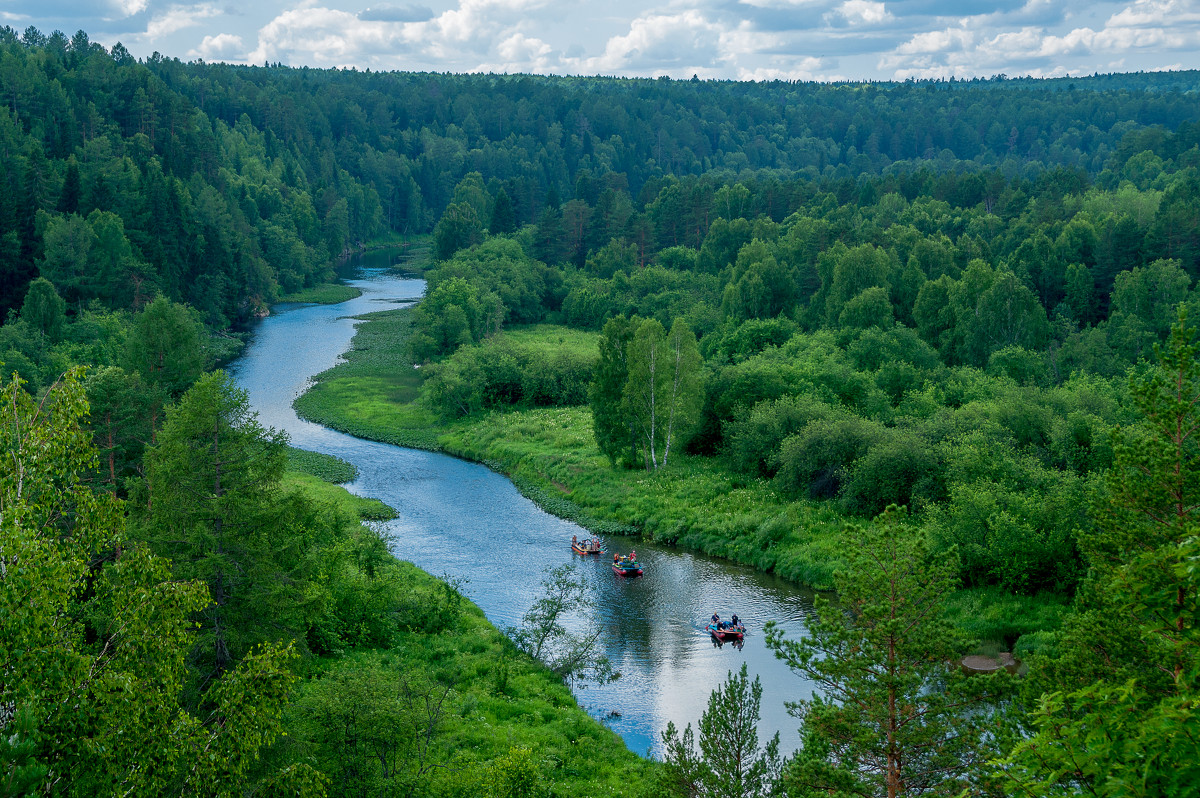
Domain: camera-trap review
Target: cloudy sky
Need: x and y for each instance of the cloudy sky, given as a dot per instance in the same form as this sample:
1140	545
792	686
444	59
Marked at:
738	39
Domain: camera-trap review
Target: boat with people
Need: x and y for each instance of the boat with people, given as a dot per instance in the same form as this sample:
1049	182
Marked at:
626	564
726	630
586	546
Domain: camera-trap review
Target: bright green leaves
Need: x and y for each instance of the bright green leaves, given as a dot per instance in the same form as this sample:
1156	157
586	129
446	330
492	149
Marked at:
647	391
96	634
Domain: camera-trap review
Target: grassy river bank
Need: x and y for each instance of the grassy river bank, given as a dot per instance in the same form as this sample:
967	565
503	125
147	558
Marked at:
551	456
495	718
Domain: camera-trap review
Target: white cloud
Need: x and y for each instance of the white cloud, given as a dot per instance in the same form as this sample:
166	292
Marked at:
858	13
325	37
222	47
176	18
808	68
128	8
520	53
475	35
1156	13
780	3
660	43
979	46
938	41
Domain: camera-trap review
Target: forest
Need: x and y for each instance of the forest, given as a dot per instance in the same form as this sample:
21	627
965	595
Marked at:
933	344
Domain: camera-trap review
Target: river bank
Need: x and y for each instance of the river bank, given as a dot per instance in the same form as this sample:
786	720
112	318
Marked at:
550	455
495	710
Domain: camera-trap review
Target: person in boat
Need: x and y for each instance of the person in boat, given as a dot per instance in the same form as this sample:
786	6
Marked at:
616	558
572	540
733	622
633	556
716	620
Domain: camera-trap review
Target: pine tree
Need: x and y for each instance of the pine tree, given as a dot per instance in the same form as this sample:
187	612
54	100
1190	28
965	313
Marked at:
728	762
892	715
504	218
72	190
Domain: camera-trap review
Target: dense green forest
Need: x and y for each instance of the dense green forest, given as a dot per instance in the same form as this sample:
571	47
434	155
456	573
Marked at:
944	322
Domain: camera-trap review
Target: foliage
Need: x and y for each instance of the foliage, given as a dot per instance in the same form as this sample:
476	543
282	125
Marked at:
573	656
213	506
527	367
1117	713
614	429
96	637
728	761
892	715
662	393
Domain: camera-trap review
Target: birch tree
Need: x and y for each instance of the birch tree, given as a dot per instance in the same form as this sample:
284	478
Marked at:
662	394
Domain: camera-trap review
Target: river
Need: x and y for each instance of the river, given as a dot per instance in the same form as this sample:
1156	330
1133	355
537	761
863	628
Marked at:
462	520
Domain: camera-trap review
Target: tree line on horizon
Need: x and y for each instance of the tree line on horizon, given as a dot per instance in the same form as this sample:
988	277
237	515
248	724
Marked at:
941	296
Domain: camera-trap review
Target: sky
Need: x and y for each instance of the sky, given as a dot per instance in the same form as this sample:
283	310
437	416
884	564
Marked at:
721	39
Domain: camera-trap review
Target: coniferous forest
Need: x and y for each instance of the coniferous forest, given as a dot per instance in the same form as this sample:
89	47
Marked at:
931	346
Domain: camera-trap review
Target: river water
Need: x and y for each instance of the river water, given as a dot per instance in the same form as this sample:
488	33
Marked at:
465	521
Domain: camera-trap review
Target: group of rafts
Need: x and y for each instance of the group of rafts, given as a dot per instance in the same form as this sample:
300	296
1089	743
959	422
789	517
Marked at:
628	565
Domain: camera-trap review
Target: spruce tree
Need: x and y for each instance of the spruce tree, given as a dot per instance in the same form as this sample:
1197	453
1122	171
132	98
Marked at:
728	761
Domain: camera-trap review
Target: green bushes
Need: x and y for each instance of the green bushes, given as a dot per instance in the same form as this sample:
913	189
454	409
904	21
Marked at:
502	371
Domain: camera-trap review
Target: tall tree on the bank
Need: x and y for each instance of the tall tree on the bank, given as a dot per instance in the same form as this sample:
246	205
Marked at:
728	763
504	217
615	432
95	635
1118	715
892	715
164	346
214	507
459	228
662	393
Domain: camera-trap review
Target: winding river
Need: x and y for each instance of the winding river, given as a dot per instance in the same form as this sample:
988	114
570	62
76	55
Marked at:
465	521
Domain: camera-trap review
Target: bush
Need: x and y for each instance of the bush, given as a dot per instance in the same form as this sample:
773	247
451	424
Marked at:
753	438
900	469
816	459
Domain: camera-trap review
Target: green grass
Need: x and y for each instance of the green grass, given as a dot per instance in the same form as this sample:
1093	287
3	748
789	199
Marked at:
996	618
373	393
323	466
552	337
500	700
551	455
346	502
323	294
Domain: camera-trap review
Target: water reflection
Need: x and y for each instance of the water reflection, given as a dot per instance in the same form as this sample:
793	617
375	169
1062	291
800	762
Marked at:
461	519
